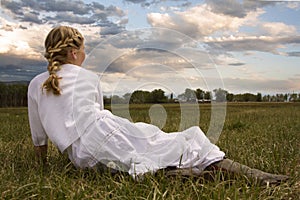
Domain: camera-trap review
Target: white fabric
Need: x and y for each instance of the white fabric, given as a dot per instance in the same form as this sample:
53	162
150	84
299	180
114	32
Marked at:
54	116
77	119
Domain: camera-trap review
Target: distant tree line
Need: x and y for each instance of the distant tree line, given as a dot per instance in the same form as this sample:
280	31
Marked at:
221	95
14	94
139	97
198	95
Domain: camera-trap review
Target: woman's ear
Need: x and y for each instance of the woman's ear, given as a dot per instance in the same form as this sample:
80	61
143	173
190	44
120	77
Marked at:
74	53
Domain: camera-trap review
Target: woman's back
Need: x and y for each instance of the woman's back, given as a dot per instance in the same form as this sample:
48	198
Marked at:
59	114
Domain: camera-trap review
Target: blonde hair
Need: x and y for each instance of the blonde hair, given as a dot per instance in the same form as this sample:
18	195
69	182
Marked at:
58	42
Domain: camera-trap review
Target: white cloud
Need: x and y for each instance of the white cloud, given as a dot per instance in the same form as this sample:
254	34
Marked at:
278	29
225	59
225	31
200	21
293	5
271	44
266	86
24	42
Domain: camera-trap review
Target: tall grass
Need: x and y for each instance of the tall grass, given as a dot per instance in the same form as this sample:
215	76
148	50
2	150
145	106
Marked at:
261	135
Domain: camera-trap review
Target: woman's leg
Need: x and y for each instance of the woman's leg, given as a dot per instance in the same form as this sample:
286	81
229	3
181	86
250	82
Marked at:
257	175
229	166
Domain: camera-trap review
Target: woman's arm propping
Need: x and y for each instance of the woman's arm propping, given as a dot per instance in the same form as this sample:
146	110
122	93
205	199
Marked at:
41	154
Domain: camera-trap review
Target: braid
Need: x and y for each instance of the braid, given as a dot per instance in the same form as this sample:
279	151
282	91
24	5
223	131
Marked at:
58	42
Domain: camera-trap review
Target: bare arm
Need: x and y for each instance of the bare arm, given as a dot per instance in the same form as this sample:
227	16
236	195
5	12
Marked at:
41	154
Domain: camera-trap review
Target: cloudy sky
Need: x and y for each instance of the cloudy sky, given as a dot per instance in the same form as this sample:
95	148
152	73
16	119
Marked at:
241	46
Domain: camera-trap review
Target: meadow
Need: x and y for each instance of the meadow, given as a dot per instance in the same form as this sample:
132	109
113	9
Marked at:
262	135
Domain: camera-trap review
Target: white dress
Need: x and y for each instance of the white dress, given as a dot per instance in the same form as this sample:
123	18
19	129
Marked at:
77	122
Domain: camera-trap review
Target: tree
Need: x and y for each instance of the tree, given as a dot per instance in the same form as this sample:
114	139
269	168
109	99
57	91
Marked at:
190	95
207	95
140	96
3	94
115	99
220	95
293	97
106	100
267	98
249	97
200	94
259	97
285	97
158	96
229	97
13	94
127	97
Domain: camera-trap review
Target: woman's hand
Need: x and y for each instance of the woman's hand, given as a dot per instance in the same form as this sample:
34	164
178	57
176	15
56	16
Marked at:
41	154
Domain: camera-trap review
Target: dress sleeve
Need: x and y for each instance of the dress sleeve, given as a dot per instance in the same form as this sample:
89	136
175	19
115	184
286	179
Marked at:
38	134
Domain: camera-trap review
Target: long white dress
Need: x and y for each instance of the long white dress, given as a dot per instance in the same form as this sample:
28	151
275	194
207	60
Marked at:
77	122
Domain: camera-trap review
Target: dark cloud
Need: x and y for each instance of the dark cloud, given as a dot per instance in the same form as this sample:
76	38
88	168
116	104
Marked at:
97	5
295	53
237	64
77	7
186	4
32	17
155	38
13	6
143	57
254	44
7	27
71	17
75	11
101	15
113	10
22	27
236	8
136	1
111	30
33	4
14	67
13	72
148	3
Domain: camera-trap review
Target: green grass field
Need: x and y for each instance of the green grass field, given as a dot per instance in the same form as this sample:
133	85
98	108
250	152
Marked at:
261	135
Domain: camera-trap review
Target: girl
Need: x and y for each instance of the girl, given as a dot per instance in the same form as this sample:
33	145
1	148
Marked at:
65	105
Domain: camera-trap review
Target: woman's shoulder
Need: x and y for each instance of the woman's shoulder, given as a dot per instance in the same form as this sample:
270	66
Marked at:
36	83
87	74
39	78
81	71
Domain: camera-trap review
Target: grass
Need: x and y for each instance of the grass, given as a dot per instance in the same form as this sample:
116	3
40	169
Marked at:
261	135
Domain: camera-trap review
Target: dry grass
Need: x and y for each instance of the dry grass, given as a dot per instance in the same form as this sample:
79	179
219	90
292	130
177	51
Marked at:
265	136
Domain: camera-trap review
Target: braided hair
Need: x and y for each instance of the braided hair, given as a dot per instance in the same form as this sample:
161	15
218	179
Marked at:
58	42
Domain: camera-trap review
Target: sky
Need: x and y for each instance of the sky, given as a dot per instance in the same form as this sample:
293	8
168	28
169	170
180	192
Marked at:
240	46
